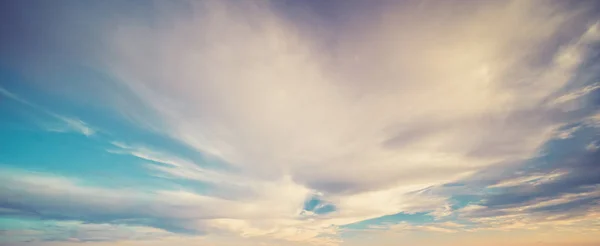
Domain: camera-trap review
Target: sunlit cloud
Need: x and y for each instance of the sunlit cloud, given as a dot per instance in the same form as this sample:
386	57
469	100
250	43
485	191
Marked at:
305	123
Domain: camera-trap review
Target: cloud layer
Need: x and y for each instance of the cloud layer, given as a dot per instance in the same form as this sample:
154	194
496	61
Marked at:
392	108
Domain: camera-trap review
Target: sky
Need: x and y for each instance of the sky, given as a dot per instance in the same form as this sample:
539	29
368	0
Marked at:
314	122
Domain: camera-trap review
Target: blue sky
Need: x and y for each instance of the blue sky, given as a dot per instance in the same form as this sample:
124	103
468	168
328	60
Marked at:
299	123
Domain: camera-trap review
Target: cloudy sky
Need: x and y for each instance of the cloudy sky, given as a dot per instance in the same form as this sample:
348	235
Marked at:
288	122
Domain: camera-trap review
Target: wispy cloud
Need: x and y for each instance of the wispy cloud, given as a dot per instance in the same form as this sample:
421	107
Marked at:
577	94
269	214
447	110
70	124
363	123
33	230
533	180
557	190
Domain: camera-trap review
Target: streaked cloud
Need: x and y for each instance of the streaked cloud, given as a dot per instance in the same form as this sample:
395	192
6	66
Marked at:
272	123
68	124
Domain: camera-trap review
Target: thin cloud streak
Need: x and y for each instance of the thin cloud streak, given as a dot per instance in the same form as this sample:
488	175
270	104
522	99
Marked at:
73	124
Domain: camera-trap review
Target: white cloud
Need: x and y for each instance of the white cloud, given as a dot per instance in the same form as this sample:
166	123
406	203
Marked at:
77	125
67	123
400	103
276	205
593	146
532	180
577	94
271	212
537	214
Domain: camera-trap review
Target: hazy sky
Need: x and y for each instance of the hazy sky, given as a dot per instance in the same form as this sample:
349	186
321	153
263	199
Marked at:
322	122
